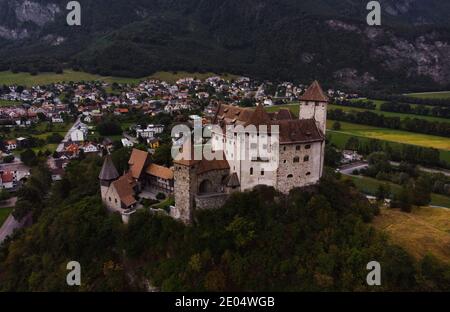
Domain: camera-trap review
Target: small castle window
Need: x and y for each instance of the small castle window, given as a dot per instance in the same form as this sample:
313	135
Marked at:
251	171
296	159
306	158
284	161
115	200
284	148
262	172
307	146
308	173
297	147
109	198
290	176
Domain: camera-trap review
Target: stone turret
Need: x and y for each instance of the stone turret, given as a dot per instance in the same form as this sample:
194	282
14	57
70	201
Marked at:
107	175
313	105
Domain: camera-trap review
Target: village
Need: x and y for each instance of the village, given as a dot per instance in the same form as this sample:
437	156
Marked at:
61	120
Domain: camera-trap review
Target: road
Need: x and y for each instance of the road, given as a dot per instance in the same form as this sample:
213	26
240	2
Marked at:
60	147
12	224
348	169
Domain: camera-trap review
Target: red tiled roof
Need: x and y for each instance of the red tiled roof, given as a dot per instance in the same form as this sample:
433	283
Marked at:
125	190
160	171
314	93
137	162
7	177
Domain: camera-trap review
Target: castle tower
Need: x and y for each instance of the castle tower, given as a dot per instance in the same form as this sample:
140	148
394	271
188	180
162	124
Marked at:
107	175
313	105
185	184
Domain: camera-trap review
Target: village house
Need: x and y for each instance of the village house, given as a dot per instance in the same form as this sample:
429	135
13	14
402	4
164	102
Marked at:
149	132
11	145
7	180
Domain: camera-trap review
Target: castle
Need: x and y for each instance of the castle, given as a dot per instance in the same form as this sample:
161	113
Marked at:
201	184
204	183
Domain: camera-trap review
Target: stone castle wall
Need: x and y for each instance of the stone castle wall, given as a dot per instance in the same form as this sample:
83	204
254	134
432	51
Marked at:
292	174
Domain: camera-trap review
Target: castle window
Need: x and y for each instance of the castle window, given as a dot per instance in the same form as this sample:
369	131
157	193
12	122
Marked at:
284	161
109	198
297	147
296	159
284	148
306	158
115	200
262	172
307	146
308	173
251	171
290	176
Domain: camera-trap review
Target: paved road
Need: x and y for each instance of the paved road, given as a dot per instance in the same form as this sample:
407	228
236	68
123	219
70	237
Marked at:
60	147
348	169
8	203
12	224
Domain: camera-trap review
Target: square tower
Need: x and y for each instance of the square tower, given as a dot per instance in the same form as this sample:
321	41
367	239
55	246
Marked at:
313	105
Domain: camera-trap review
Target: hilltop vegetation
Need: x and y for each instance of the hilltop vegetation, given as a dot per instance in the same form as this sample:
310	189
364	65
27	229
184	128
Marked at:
316	239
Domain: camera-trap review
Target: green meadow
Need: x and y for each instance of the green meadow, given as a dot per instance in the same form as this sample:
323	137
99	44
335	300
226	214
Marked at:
364	132
431	95
26	79
4	213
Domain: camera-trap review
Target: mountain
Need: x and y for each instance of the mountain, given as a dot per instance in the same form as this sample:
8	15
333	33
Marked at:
285	39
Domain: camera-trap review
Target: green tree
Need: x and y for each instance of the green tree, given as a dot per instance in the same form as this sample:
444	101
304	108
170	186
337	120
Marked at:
336	126
28	157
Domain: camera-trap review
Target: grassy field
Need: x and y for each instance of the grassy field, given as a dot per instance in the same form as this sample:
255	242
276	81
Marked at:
340	139
431	234
392	135
363	132
370	186
431	95
9	78
389	114
9	103
294	107
4	213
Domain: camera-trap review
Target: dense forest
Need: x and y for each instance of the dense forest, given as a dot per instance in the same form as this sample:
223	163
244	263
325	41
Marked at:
314	239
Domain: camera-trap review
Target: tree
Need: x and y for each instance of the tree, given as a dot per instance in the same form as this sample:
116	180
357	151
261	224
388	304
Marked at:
383	191
8	159
28	157
120	159
405	198
352	144
163	155
4	195
336	126
109	127
54	138
422	191
332	156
